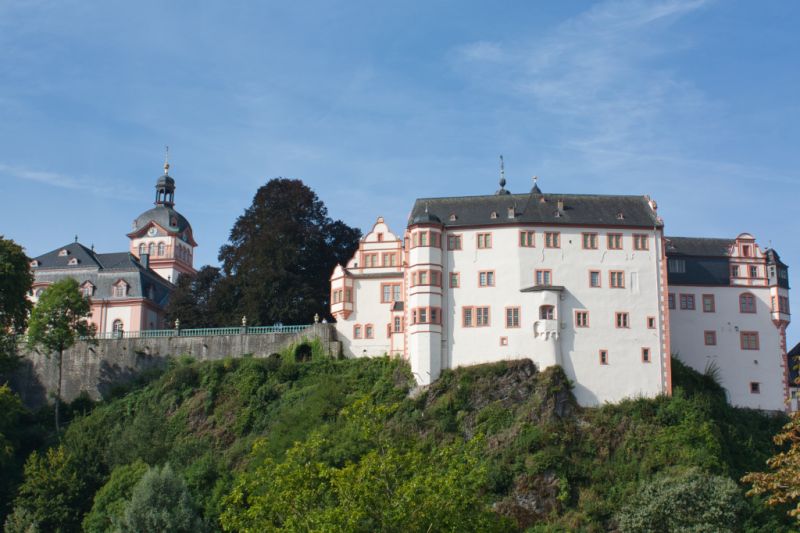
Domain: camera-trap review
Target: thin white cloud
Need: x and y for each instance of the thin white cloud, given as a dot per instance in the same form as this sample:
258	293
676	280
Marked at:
54	179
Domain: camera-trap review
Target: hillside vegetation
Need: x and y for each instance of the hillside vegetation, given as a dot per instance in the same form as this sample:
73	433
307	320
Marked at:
325	445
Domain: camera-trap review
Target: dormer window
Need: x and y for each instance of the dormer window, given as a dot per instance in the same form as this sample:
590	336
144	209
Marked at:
34	263
87	289
63	253
493	215
620	216
453	217
511	212
73	261
120	289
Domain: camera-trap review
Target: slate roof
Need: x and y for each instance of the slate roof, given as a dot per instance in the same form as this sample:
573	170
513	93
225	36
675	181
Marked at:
163	216
533	208
103	271
699	246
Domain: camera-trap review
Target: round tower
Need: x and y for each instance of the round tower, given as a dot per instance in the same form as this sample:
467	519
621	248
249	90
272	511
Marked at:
162	238
424	289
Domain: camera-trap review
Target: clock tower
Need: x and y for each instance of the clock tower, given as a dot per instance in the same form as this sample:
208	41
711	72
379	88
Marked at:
161	237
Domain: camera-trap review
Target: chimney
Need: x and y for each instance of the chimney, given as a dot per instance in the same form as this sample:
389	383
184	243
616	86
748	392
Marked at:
145	260
561	205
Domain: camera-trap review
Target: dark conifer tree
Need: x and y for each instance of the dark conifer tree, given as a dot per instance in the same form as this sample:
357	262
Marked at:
281	254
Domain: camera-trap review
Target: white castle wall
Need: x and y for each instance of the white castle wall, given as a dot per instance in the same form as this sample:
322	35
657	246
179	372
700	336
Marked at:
737	368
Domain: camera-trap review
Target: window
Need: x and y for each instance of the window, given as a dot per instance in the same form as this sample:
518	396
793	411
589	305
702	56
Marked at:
120	290
547	312
369	332
484	241
687	302
423	238
398	324
63	253
466	317
710	338
370	260
755	387
389	259
142	249
493	214
708	303
783	304
746	250
426	315
151	249
735	271
594	278
117	328
390	292
621	320
677	266
747	303
527	239
671	298
454	281
503	341
486	278
87	289
161	249
336	296
512	317
645	355
73	261
581	319
615	241
749	340
357	331
651	322
603	357
426	277
454	242
753	271
543	277
640	242
617	279
590	241
348	295
552	239
481	316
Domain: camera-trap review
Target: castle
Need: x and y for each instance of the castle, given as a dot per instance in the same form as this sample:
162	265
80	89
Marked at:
128	290
588	282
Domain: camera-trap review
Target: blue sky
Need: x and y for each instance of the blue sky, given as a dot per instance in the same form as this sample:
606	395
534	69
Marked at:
376	103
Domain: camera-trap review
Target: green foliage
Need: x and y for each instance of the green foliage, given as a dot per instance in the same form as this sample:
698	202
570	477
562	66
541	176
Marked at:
195	300
111	500
498	445
280	257
15	282
53	496
684	501
59	317
160	502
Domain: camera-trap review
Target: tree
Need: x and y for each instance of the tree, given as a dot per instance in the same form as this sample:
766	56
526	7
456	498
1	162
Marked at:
691	500
58	320
52	496
281	254
15	282
160	502
782	482
193	301
112	498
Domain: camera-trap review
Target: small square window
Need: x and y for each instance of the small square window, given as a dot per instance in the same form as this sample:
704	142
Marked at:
651	322
603	357
503	341
755	387
710	338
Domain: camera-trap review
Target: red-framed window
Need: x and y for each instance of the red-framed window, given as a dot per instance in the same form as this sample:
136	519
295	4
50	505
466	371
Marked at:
454	242
614	241
512	317
651	322
622	319
595	279
616	279
357	331
552	239
603	357
641	241
710	338
475	316
547	312
645	355
747	303
589	241
369	331
455	280
391	292
527	239
426	315
544	277
687	302
581	319
749	340
486	278
671	300
484	241
709	305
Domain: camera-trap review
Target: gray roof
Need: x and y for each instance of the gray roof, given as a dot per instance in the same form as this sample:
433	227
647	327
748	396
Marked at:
532	208
697	246
103	271
163	216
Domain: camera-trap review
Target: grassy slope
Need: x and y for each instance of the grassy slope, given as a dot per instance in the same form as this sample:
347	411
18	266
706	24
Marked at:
573	468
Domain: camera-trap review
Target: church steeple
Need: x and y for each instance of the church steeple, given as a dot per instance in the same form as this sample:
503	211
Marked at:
165	186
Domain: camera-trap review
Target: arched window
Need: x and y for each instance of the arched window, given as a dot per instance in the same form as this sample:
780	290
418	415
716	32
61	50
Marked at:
161	249
547	312
150	249
142	249
747	303
117	328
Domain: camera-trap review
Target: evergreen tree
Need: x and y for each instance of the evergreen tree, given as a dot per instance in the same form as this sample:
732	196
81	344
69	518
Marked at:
160	502
56	323
281	254
194	300
15	281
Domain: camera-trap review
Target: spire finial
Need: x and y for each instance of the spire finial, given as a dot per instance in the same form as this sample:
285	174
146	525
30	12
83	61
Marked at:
166	159
536	189
76	238
502	172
